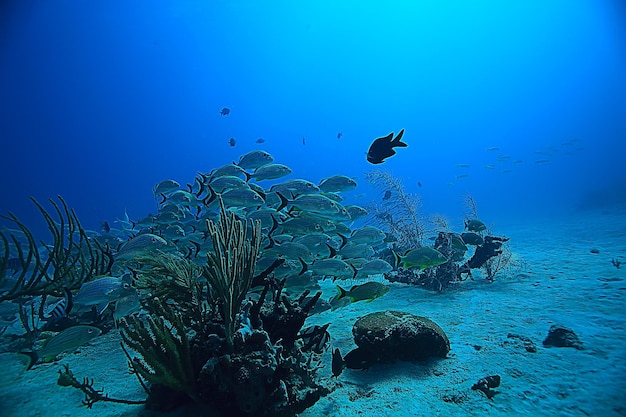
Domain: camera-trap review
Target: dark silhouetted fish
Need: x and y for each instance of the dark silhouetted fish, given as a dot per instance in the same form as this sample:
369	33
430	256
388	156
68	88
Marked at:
382	148
232	142
260	140
387	195
339	135
105	227
225	111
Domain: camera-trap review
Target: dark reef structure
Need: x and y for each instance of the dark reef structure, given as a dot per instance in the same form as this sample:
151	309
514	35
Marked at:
489	256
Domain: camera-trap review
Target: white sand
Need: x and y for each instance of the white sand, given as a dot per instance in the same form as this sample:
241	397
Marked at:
562	283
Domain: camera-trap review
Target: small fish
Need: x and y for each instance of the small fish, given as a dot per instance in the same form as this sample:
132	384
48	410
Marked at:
270	172
423	257
232	142
339	135
69	339
255	159
165	187
337	364
419	184
105	227
374	267
242	197
140	245
356	212
303	141
475	225
459	177
472	238
387	195
367	234
489	166
59	309
334	267
493	149
101	291
382	148
260	140
337	183
368	291
316	338
462	165
225	111
126	306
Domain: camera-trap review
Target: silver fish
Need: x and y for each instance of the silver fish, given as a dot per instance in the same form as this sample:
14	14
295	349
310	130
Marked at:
69	339
255	159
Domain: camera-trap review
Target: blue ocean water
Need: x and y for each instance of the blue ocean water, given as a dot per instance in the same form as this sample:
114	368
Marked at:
521	105
102	100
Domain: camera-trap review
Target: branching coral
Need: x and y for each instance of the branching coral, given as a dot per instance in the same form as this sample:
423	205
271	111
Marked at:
71	260
398	213
230	268
176	279
163	346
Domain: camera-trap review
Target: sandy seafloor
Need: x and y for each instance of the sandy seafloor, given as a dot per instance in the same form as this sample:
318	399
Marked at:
561	282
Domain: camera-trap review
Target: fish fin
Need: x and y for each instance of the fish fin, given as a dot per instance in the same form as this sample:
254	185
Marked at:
304	266
283	202
355	271
333	251
397	140
342	292
212	195
388	138
396	259
248	175
274	225
344	240
69	303
271	244
32	358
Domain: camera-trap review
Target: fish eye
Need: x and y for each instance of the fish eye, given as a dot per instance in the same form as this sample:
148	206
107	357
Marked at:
126	285
90	331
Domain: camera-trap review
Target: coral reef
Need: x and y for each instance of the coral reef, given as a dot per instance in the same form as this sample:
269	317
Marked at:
69	261
398	212
230	268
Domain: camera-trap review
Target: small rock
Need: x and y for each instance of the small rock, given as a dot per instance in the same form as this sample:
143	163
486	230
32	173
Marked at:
561	336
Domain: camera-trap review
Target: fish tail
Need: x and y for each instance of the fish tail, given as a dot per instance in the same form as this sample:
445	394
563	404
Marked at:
32	358
304	266
283	202
397	140
342	292
396	259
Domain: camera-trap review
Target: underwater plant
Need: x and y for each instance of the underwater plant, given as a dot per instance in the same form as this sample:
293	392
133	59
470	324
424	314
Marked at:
68	262
398	212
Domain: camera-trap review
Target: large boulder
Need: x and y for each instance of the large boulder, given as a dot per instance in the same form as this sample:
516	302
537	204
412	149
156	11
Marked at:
391	335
